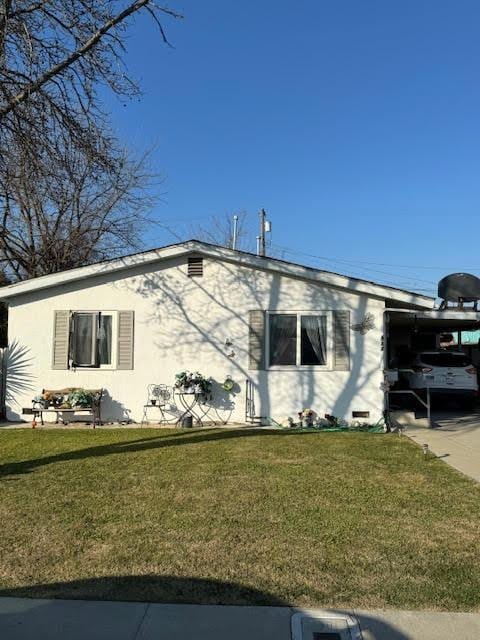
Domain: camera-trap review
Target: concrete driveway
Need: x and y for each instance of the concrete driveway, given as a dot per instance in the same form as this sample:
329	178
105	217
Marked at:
455	437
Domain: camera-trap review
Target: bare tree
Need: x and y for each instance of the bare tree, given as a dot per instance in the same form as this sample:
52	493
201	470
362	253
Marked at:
54	56
220	231
74	214
69	194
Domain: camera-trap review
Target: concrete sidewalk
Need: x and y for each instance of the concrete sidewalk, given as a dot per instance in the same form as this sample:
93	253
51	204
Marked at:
455	438
27	619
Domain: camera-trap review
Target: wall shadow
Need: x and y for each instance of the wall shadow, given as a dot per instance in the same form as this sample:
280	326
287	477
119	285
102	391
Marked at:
194	317
222	314
113	409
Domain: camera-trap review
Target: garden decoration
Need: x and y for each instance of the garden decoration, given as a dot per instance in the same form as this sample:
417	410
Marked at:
68	400
193	382
365	325
314	422
228	384
306	417
160	393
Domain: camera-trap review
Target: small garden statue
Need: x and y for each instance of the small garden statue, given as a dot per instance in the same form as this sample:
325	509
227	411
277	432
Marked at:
306	417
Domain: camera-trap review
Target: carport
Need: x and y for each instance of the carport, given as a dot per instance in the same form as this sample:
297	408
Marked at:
424	330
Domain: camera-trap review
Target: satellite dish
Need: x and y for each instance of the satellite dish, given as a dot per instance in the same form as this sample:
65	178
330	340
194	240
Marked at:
459	287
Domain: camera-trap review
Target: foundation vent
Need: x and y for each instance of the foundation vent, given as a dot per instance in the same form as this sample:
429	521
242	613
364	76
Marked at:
360	414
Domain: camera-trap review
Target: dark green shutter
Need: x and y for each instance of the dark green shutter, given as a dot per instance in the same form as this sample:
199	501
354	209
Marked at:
341	340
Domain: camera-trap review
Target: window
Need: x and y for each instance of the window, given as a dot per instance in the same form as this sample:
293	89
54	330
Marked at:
283	339
105	339
298	339
446	359
313	340
91	343
83	339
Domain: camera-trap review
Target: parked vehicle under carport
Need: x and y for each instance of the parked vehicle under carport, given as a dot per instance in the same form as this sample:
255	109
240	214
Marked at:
412	332
447	374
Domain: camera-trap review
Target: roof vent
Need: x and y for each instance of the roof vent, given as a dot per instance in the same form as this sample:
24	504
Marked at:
459	288
195	267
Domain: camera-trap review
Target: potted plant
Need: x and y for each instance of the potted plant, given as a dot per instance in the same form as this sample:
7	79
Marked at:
193	382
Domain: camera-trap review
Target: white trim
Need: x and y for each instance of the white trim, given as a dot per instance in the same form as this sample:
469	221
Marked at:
219	253
437	314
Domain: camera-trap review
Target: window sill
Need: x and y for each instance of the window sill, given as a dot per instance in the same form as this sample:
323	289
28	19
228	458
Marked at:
100	368
300	367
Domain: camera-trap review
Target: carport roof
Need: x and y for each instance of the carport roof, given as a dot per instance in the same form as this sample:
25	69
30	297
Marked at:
435	319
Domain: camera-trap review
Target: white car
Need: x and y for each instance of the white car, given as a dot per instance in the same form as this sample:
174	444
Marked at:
444	373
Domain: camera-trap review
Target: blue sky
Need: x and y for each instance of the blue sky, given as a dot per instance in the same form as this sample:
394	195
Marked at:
354	123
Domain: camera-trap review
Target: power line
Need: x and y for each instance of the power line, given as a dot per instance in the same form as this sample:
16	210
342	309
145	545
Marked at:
352	264
380	264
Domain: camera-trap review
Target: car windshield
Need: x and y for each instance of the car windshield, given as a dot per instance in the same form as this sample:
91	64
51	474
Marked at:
445	359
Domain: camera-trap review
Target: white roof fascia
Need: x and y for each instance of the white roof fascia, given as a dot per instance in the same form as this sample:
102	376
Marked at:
437	314
222	253
89	271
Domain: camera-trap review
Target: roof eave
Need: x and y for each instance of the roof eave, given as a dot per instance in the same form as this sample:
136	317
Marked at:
242	258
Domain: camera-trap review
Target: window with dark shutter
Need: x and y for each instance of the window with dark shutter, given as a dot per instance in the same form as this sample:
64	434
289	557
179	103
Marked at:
341	349
93	339
195	267
298	339
256	339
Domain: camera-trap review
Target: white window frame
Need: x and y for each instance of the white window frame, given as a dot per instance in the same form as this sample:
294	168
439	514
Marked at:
114	315
328	366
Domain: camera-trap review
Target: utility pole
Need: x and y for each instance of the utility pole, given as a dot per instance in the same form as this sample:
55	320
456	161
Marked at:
263	217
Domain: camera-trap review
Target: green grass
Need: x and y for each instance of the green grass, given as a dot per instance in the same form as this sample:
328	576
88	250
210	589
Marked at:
242	517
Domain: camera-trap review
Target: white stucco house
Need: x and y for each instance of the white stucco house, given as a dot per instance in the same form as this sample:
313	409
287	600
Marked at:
289	336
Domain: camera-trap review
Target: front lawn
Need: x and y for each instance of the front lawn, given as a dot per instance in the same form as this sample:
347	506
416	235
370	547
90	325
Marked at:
237	517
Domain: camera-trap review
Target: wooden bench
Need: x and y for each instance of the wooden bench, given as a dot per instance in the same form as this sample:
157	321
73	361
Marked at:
54	400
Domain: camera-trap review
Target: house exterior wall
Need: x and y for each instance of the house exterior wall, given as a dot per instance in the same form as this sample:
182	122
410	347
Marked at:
183	323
